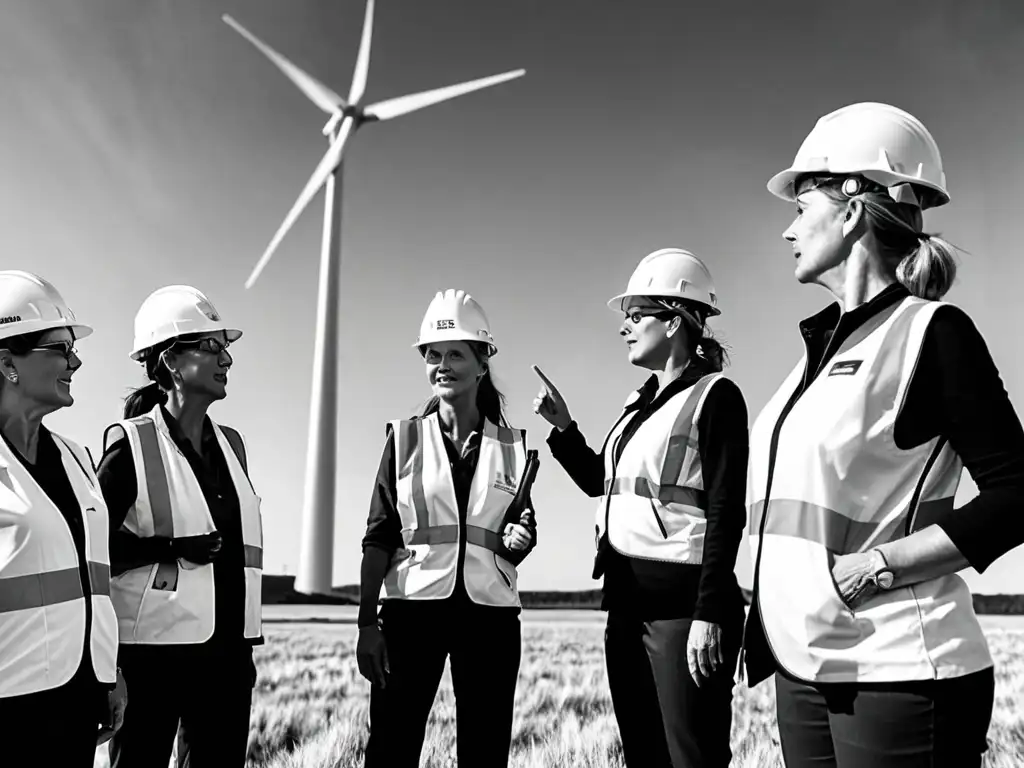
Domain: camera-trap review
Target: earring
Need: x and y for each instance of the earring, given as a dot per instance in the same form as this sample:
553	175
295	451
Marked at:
14	378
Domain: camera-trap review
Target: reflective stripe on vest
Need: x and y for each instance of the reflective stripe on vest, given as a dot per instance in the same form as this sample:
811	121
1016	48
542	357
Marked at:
427	566
160	499
669	494
19	593
159	495
654	499
174	603
837	484
834	530
43	585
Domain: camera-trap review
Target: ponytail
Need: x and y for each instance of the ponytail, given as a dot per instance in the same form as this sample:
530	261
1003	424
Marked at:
146	398
709	356
143	400
928	272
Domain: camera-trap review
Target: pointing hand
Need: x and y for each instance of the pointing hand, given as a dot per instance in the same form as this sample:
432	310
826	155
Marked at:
549	403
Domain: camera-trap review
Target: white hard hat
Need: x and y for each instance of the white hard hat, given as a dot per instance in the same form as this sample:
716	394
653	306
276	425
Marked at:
172	311
671	273
877	141
454	315
29	304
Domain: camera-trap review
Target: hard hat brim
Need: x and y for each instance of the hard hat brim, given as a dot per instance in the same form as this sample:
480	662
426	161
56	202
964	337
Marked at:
617	303
782	184
232	334
78	330
491	349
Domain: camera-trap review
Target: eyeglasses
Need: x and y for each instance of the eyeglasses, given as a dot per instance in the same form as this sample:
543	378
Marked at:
208	344
65	348
639	314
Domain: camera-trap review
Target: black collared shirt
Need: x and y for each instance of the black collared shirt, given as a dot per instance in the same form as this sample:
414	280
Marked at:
384	524
120	489
663	590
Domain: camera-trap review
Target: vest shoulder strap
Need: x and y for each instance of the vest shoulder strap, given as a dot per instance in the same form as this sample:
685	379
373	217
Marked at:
73	450
237	443
154	473
117	429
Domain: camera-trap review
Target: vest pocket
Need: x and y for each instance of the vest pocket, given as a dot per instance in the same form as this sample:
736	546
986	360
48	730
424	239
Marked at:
661	525
830	560
497	567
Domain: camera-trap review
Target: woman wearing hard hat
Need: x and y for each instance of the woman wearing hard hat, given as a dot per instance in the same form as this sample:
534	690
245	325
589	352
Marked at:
878	657
671	477
186	545
444	539
60	692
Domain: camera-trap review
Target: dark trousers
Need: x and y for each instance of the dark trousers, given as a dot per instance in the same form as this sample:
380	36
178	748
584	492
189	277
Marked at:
483	644
56	727
918	724
665	720
208	688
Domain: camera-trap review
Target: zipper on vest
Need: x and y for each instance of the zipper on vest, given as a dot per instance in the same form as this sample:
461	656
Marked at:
773	449
607	495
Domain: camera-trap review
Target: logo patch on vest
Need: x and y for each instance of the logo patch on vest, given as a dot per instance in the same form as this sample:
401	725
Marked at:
845	368
505	483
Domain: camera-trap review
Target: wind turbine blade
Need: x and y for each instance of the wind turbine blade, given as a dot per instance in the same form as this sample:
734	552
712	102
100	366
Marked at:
384	110
328	164
363	58
318	93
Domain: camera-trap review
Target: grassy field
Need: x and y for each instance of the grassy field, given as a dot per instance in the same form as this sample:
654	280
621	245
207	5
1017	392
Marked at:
310	708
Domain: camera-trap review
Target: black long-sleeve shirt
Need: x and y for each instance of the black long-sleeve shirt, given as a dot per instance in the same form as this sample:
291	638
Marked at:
956	393
120	490
663	590
384	524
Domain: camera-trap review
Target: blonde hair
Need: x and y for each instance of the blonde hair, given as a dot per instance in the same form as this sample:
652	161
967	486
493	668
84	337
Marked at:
923	262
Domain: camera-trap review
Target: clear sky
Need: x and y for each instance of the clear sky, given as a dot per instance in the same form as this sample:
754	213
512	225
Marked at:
144	143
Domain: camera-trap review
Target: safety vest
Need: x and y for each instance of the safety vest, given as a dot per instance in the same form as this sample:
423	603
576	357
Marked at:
426	567
834	483
42	600
173	603
654	504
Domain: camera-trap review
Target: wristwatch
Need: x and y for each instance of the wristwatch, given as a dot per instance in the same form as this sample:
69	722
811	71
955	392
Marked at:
882	576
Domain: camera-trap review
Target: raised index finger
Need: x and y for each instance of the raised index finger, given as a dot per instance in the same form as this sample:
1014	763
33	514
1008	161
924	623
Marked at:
548	385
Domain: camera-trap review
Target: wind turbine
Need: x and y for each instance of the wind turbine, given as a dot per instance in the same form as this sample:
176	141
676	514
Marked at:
346	116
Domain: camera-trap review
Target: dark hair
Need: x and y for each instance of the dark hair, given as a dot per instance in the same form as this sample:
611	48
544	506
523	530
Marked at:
707	354
489	400
144	399
924	263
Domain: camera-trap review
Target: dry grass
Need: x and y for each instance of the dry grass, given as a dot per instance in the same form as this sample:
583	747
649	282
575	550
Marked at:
310	709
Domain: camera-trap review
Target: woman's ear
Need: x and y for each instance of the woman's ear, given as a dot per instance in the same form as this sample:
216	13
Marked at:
674	325
854	216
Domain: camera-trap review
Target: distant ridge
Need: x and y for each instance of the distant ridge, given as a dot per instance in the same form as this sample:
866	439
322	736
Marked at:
279	590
